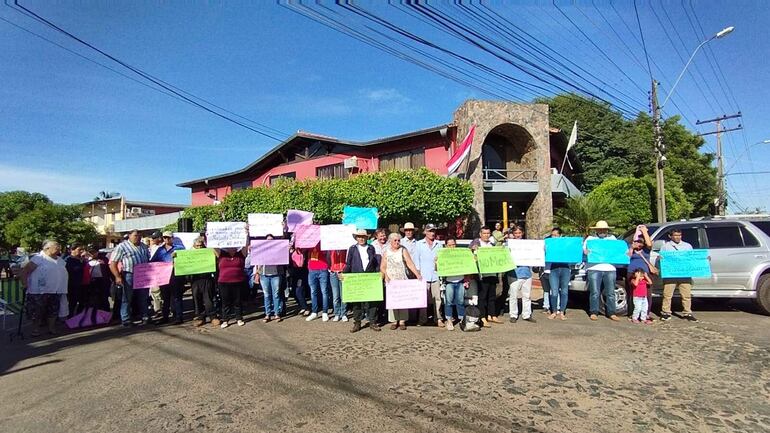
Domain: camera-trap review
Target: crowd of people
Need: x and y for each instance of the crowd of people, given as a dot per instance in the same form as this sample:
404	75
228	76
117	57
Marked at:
63	285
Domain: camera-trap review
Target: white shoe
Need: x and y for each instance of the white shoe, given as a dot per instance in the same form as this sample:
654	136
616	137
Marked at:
449	325
241	323
336	319
311	317
330	311
325	317
224	324
344	318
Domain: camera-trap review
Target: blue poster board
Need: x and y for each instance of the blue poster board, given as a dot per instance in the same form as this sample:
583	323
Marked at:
685	264
564	250
613	251
361	217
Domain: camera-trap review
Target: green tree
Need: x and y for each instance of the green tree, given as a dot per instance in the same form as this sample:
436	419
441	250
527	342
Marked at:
581	213
16	203
632	199
59	222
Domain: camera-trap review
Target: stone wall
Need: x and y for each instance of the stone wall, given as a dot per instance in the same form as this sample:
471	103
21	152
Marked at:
487	115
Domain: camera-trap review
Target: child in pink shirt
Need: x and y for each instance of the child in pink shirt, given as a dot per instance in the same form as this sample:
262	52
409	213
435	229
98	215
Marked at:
640	283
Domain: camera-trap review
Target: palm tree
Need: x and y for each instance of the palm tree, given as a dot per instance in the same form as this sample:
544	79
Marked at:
106	195
581	213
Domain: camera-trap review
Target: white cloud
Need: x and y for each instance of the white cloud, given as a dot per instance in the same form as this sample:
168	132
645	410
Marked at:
61	188
384	95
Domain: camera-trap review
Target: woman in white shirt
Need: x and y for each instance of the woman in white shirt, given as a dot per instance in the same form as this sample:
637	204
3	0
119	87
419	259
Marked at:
45	276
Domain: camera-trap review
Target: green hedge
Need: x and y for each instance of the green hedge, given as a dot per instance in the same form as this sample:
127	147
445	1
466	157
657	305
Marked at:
420	196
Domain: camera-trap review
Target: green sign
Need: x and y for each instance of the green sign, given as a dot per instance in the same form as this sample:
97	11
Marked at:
493	260
194	261
362	287
455	261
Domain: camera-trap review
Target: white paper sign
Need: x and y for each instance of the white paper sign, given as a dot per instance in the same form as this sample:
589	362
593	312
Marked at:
337	236
185	239
527	252
263	224
226	235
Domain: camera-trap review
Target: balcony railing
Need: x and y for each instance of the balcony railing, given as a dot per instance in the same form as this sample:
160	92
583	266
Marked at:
501	175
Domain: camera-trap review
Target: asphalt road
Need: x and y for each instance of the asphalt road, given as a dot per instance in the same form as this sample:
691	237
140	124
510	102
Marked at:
552	376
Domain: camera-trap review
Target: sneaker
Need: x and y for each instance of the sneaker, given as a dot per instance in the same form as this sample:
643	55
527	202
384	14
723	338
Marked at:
530	319
240	323
450	326
336	319
689	317
325	317
665	317
513	319
215	322
311	317
224	324
344	318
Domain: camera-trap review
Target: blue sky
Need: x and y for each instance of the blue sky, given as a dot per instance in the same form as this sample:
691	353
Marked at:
70	128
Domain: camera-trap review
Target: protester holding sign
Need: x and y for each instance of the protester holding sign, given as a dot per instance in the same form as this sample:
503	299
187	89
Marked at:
318	277
558	279
670	285
522	284
171	293
337	264
231	283
395	262
269	277
129	253
454	292
639	252
487	282
203	292
298	278
362	258
601	276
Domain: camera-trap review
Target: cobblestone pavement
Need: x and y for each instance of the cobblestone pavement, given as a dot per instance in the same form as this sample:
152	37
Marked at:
551	376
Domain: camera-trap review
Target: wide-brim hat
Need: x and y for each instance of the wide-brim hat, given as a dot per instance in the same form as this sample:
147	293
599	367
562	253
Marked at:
408	226
168	235
360	232
601	225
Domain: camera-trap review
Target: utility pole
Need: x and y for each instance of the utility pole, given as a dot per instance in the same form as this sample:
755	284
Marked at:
721	200
660	161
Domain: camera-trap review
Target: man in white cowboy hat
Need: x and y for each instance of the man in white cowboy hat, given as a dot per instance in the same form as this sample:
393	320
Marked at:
425	261
601	276
361	257
409	241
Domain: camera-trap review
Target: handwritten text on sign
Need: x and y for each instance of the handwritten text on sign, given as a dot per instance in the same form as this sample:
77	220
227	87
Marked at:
455	261
493	260
195	261
153	274
263	224
307	236
685	264
527	252
404	294
362	287
337	237
298	218
226	234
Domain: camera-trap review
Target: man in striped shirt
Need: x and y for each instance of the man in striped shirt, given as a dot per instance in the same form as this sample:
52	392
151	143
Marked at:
129	254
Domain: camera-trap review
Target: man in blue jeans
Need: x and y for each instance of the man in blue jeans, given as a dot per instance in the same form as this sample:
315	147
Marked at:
601	277
129	253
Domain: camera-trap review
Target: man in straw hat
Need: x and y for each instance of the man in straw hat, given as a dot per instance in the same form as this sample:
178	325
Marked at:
409	241
362	258
601	276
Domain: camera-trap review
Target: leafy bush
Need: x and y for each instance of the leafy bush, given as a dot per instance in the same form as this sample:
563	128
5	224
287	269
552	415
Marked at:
633	200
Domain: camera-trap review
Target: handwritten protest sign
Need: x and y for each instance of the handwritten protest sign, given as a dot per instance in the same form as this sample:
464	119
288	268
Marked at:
153	274
296	218
685	264
612	251
493	260
263	224
337	237
527	252
270	252
226	235
194	261
455	261
307	236
184	240
362	287
360	217
564	250
404	294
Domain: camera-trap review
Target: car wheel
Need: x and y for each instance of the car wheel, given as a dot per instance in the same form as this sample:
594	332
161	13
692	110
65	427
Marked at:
621	301
763	294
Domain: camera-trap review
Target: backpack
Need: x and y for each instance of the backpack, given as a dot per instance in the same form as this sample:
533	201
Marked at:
471	319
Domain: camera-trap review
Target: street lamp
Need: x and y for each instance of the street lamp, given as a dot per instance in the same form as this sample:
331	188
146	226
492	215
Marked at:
660	194
745	151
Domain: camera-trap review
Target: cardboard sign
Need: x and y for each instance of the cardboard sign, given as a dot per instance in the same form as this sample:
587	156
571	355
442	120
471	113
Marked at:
263	224
226	235
307	237
153	274
564	250
527	252
195	261
362	287
360	217
185	240
405	294
270	252
298	218
685	264
337	237
455	261
613	251
493	260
